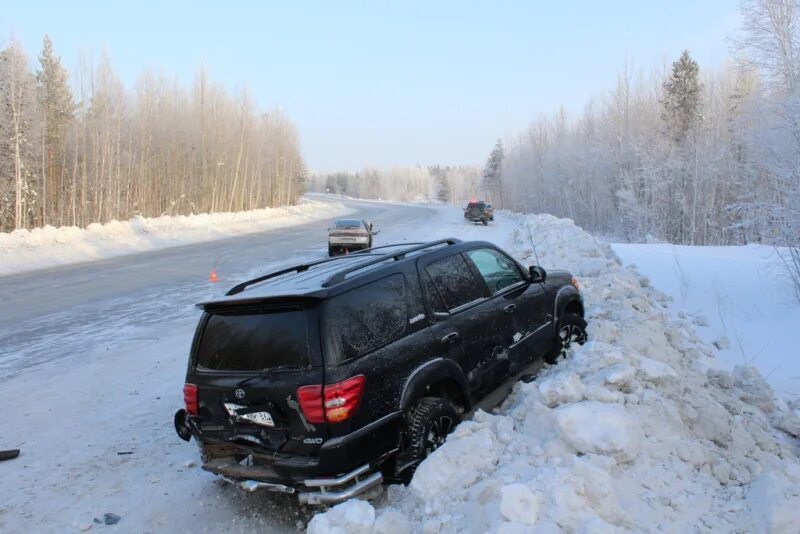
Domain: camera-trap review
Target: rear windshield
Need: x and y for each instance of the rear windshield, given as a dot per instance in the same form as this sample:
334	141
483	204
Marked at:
254	341
347	223
477	205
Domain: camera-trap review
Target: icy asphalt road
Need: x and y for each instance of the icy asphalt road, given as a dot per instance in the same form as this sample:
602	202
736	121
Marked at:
48	315
92	358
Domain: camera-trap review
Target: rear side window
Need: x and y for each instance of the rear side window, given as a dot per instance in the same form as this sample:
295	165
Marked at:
454	281
365	319
254	341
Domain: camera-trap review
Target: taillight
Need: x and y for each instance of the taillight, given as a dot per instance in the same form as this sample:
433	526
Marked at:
333	403
190	398
342	398
310	399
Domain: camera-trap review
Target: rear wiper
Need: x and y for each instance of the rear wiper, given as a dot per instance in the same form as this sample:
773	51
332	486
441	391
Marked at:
249	379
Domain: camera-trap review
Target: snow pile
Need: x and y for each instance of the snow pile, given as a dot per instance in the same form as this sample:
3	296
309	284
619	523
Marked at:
635	431
28	250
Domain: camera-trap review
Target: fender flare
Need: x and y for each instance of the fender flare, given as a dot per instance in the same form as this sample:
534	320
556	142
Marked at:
564	296
428	373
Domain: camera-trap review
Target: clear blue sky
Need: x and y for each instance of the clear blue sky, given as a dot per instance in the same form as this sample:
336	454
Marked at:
388	83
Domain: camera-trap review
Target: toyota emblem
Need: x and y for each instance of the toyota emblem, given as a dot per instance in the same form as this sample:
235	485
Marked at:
239	393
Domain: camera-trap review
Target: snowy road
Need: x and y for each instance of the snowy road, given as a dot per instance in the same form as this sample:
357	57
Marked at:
132	293
92	358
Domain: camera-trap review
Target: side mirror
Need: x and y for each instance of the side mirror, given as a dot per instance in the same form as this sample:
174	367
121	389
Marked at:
537	274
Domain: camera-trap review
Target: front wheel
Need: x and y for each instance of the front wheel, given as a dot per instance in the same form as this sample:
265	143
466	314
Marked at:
485	222
427	426
571	329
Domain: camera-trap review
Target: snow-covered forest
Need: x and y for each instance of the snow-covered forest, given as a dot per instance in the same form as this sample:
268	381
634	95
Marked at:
683	153
449	184
80	147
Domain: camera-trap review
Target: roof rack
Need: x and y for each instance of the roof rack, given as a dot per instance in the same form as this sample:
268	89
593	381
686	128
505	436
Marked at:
238	288
341	275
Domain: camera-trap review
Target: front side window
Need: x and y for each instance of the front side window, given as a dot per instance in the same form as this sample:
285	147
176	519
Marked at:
498	270
366	318
454	281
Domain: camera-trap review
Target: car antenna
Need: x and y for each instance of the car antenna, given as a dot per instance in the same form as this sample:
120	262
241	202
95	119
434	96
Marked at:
533	246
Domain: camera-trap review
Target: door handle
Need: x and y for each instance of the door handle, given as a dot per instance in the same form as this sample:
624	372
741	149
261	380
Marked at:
508	310
452	337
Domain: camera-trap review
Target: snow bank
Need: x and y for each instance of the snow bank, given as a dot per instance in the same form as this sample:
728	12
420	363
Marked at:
738	299
635	431
40	248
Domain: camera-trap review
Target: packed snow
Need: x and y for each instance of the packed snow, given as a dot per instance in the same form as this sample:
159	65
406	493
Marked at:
639	430
739	300
40	248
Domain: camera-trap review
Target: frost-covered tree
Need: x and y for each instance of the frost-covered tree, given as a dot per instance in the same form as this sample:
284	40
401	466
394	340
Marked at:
492	183
682	98
58	109
19	135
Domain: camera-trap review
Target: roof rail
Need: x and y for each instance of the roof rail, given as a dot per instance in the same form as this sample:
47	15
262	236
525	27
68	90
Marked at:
341	275
238	288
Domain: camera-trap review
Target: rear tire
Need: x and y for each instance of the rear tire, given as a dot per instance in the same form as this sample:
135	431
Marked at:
331	251
485	222
571	329
428	423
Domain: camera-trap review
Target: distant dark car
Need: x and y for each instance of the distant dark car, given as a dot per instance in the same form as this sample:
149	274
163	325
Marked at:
478	211
325	379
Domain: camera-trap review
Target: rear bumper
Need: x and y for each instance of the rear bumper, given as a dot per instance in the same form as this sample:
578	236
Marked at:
348	242
345	466
322	490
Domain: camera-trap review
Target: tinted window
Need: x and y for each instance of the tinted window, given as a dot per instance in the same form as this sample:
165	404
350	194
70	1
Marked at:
454	281
364	319
498	270
348	223
254	341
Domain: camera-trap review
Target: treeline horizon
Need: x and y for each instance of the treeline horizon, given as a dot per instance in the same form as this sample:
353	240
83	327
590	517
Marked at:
72	154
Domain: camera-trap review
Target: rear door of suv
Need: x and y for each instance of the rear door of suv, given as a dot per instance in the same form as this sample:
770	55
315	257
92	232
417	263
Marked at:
466	322
248	363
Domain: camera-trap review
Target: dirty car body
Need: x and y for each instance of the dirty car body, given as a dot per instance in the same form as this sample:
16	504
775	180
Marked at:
349	235
315	379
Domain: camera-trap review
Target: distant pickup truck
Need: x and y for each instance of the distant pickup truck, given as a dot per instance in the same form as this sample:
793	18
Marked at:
479	211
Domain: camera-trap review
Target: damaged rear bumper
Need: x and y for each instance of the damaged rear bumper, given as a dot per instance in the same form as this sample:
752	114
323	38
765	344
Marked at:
316	491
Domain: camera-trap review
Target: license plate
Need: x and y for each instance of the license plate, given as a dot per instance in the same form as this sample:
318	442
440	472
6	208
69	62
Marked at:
259	418
347	239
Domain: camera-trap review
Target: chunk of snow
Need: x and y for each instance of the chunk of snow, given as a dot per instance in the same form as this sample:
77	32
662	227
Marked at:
561	389
594	427
655	371
350	517
519	504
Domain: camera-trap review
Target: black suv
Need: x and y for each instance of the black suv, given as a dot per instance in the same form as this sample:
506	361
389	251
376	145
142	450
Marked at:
327	378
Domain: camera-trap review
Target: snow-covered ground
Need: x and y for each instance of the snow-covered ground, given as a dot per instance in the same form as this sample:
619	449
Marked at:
738	298
636	431
40	248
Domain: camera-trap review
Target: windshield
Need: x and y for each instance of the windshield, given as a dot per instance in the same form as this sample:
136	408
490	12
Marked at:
347	223
254	341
